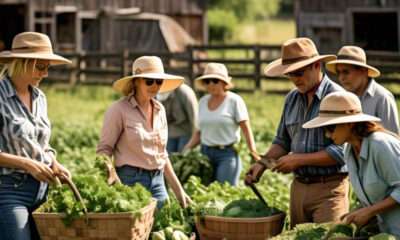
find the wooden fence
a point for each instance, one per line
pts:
(245, 64)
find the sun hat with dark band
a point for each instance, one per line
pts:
(352, 55)
(32, 45)
(148, 67)
(295, 54)
(337, 108)
(216, 71)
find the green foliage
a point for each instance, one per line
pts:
(192, 163)
(383, 236)
(251, 208)
(247, 9)
(221, 24)
(97, 195)
(173, 215)
(313, 231)
(225, 200)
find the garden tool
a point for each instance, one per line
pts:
(257, 193)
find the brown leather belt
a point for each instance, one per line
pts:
(321, 179)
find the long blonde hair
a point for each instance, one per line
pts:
(16, 67)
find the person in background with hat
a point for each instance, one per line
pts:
(356, 76)
(135, 131)
(319, 191)
(27, 162)
(221, 113)
(181, 107)
(372, 156)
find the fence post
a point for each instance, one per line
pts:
(77, 72)
(257, 67)
(124, 58)
(189, 49)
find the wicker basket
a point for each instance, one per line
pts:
(105, 226)
(218, 228)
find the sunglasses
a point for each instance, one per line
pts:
(298, 73)
(330, 128)
(150, 81)
(42, 67)
(209, 80)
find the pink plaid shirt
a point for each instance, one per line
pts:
(127, 137)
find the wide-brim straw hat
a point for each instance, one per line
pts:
(353, 55)
(215, 70)
(148, 67)
(295, 54)
(32, 45)
(338, 108)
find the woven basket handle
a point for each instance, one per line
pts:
(78, 197)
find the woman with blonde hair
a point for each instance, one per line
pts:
(372, 155)
(221, 114)
(27, 162)
(135, 131)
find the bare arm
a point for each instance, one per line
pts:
(176, 186)
(291, 162)
(361, 216)
(248, 135)
(38, 170)
(194, 141)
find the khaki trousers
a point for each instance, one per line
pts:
(318, 202)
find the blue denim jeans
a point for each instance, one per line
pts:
(18, 199)
(176, 144)
(151, 180)
(226, 163)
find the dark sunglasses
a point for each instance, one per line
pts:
(298, 73)
(209, 80)
(150, 81)
(330, 128)
(41, 67)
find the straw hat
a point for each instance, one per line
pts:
(337, 108)
(148, 67)
(32, 45)
(355, 56)
(215, 70)
(295, 54)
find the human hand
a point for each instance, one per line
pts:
(60, 171)
(255, 172)
(39, 171)
(286, 164)
(112, 175)
(360, 216)
(184, 199)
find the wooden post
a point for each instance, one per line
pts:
(257, 67)
(124, 59)
(189, 50)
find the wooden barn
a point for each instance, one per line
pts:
(370, 24)
(107, 25)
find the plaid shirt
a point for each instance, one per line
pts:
(293, 138)
(23, 133)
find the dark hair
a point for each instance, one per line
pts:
(364, 129)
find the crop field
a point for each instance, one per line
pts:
(77, 114)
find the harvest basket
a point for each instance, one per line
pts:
(217, 228)
(105, 226)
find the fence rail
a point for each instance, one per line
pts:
(245, 62)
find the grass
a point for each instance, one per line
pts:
(269, 31)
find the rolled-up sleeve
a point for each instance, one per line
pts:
(387, 159)
(336, 152)
(387, 112)
(282, 137)
(111, 130)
